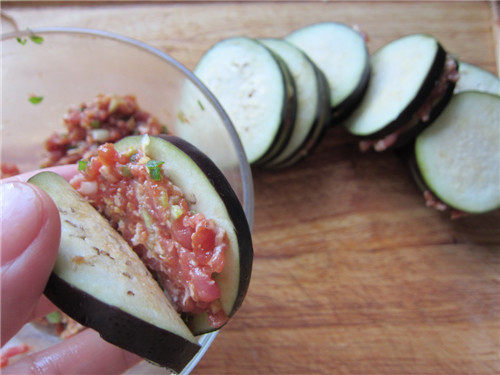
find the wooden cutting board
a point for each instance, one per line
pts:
(352, 274)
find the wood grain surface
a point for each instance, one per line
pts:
(352, 274)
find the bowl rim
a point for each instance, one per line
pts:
(245, 172)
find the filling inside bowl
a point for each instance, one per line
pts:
(182, 248)
(106, 118)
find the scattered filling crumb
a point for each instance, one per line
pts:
(11, 352)
(432, 201)
(8, 170)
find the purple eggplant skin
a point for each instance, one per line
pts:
(321, 122)
(236, 214)
(287, 115)
(120, 328)
(342, 110)
(422, 94)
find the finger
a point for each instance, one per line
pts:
(85, 353)
(66, 171)
(31, 230)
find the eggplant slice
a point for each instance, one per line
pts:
(412, 80)
(341, 54)
(99, 281)
(256, 90)
(473, 78)
(205, 185)
(458, 156)
(313, 103)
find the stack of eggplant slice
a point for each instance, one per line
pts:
(257, 91)
(281, 95)
(341, 53)
(313, 100)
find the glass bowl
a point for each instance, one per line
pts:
(74, 65)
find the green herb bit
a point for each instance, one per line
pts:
(154, 163)
(201, 105)
(154, 167)
(95, 124)
(82, 165)
(155, 173)
(164, 129)
(182, 117)
(36, 39)
(35, 99)
(54, 317)
(126, 172)
(21, 41)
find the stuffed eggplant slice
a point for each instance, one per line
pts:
(456, 159)
(412, 81)
(181, 263)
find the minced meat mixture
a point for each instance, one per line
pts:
(181, 247)
(106, 118)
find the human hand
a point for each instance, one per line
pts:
(30, 234)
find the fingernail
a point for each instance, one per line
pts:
(21, 220)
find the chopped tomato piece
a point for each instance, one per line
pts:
(182, 234)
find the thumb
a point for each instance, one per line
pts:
(30, 235)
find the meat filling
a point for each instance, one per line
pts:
(107, 118)
(450, 74)
(181, 247)
(432, 201)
